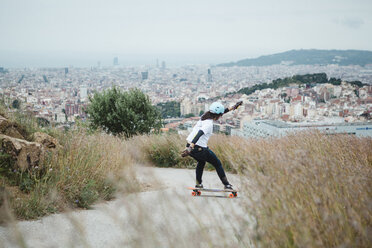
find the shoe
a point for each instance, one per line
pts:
(199, 186)
(228, 186)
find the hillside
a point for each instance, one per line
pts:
(303, 190)
(307, 79)
(309, 57)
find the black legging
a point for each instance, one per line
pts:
(203, 155)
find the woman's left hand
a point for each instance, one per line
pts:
(186, 152)
(237, 105)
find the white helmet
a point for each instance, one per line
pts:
(217, 108)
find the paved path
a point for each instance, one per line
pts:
(164, 216)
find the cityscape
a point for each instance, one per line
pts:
(59, 95)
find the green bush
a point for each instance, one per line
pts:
(37, 203)
(6, 165)
(125, 113)
(164, 151)
(88, 195)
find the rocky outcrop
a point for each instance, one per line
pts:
(25, 154)
(46, 140)
(9, 128)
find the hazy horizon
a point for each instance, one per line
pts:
(41, 33)
(80, 59)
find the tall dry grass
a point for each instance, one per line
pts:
(315, 189)
(85, 169)
(306, 190)
(303, 190)
(88, 166)
(162, 150)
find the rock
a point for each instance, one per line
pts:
(25, 154)
(10, 129)
(46, 140)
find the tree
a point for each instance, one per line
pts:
(42, 122)
(16, 104)
(127, 113)
(64, 111)
(169, 109)
(283, 95)
(189, 115)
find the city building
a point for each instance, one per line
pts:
(209, 76)
(144, 75)
(83, 93)
(269, 128)
(116, 61)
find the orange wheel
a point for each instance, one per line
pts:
(193, 193)
(231, 195)
(235, 194)
(199, 193)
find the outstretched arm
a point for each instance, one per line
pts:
(233, 107)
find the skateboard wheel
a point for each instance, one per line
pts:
(193, 193)
(199, 193)
(231, 195)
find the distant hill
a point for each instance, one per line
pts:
(309, 57)
(307, 79)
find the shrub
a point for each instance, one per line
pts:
(126, 113)
(164, 151)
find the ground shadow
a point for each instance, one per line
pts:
(215, 196)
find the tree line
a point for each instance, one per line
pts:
(169, 109)
(300, 80)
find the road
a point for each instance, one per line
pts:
(165, 215)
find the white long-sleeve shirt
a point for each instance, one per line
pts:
(207, 127)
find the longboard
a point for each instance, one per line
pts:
(197, 191)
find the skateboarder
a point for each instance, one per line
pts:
(197, 143)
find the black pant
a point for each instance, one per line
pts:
(203, 155)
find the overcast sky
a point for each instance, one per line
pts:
(81, 33)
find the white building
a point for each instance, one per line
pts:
(267, 128)
(31, 99)
(83, 93)
(298, 110)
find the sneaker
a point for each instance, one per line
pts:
(199, 186)
(228, 186)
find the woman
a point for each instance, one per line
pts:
(197, 143)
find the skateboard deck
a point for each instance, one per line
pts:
(197, 191)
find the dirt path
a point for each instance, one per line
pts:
(164, 216)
